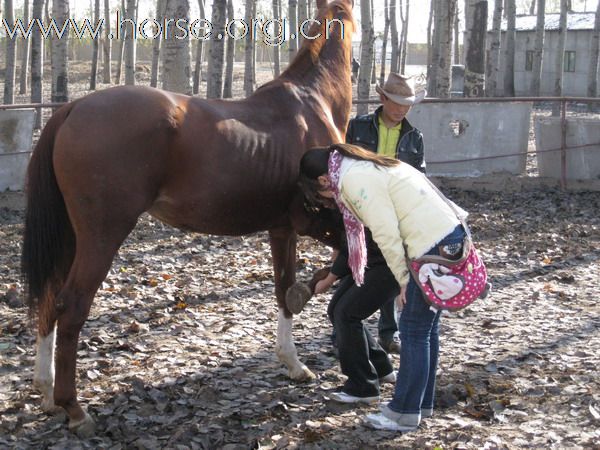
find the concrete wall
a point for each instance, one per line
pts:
(574, 83)
(582, 163)
(457, 131)
(16, 133)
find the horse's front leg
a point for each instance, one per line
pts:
(283, 250)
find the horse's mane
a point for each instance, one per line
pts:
(311, 48)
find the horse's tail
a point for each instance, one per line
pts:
(48, 238)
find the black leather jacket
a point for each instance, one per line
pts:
(364, 131)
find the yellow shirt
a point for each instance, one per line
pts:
(388, 139)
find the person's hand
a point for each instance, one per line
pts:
(324, 285)
(401, 299)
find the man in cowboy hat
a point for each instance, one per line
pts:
(386, 131)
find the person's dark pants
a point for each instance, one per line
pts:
(362, 359)
(388, 322)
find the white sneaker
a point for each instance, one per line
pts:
(342, 397)
(390, 378)
(380, 422)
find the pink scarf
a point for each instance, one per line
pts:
(355, 231)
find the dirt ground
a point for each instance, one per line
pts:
(178, 351)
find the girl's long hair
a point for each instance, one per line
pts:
(314, 163)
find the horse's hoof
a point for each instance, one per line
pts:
(302, 374)
(296, 297)
(84, 428)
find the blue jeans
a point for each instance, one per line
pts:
(419, 334)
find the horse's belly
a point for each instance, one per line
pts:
(219, 217)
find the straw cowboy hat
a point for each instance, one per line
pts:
(401, 90)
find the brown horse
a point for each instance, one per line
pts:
(209, 166)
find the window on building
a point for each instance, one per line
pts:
(569, 62)
(529, 60)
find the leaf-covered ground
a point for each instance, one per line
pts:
(178, 351)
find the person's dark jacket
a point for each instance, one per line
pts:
(364, 131)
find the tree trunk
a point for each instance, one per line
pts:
(249, 48)
(592, 90)
(130, 43)
(177, 62)
(156, 44)
(302, 16)
(107, 47)
(476, 25)
(121, 44)
(37, 66)
(95, 49)
(432, 50)
(456, 51)
(386, 30)
(366, 55)
(538, 52)
(11, 56)
(394, 36)
(509, 53)
(60, 69)
(24, 53)
(404, 40)
(444, 21)
(276, 18)
(560, 54)
(493, 56)
(229, 56)
(216, 51)
(532, 8)
(293, 18)
(199, 54)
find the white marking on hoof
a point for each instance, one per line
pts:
(286, 350)
(43, 378)
(83, 428)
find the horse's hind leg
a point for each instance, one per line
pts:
(43, 378)
(92, 261)
(283, 249)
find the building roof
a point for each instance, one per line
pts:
(575, 21)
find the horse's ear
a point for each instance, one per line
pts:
(321, 3)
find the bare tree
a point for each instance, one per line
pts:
(37, 66)
(444, 19)
(60, 61)
(476, 13)
(130, 42)
(592, 90)
(229, 57)
(249, 59)
(107, 47)
(509, 53)
(293, 18)
(386, 30)
(431, 49)
(156, 44)
(404, 37)
(95, 49)
(366, 55)
(216, 50)
(121, 31)
(538, 52)
(456, 26)
(276, 53)
(24, 53)
(394, 61)
(11, 56)
(302, 16)
(493, 55)
(199, 54)
(560, 52)
(176, 52)
(532, 7)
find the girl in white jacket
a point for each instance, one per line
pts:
(407, 217)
